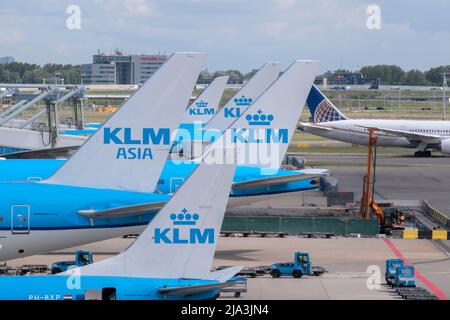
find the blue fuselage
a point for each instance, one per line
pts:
(30, 206)
(96, 287)
(36, 217)
(172, 176)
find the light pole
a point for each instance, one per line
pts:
(444, 87)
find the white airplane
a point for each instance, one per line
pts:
(329, 122)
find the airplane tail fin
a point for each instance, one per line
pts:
(181, 239)
(254, 87)
(207, 103)
(321, 108)
(263, 132)
(129, 150)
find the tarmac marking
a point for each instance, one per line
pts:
(427, 282)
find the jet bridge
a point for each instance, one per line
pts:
(19, 125)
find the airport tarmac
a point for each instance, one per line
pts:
(346, 259)
(398, 177)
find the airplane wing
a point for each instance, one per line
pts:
(52, 153)
(122, 211)
(413, 136)
(313, 126)
(272, 181)
(190, 290)
(224, 274)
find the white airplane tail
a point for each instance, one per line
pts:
(265, 76)
(321, 108)
(262, 134)
(181, 239)
(129, 150)
(207, 103)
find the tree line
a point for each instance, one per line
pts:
(235, 76)
(394, 75)
(19, 72)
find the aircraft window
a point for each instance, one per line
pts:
(109, 294)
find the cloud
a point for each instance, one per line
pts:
(11, 36)
(284, 4)
(140, 8)
(234, 33)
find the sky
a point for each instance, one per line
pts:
(236, 34)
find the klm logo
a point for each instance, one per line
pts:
(184, 230)
(201, 109)
(259, 134)
(141, 141)
(259, 119)
(236, 112)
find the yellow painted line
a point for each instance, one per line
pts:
(410, 234)
(439, 235)
(303, 145)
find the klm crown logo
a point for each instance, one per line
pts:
(184, 231)
(243, 101)
(201, 108)
(259, 119)
(184, 218)
(201, 104)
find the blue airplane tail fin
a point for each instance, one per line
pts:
(321, 108)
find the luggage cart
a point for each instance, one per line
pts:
(239, 286)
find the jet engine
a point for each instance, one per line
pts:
(445, 146)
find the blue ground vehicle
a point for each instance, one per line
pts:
(300, 266)
(405, 277)
(391, 270)
(82, 258)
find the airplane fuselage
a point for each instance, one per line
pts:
(71, 287)
(38, 217)
(355, 131)
(172, 176)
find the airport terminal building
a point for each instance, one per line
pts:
(121, 69)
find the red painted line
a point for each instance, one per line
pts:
(419, 276)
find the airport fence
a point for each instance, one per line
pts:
(299, 225)
(436, 215)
